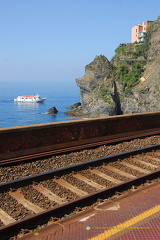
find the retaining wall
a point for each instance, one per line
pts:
(24, 140)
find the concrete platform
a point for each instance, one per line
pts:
(135, 216)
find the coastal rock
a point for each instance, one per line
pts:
(76, 110)
(74, 106)
(113, 88)
(52, 110)
(145, 96)
(96, 87)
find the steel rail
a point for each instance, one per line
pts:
(79, 146)
(60, 211)
(21, 182)
(66, 208)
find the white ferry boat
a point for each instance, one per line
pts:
(30, 99)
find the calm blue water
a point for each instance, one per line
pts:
(58, 94)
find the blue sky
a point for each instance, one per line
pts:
(53, 40)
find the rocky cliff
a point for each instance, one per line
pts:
(129, 83)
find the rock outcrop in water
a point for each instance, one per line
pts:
(129, 83)
(75, 110)
(52, 111)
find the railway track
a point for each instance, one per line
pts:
(32, 200)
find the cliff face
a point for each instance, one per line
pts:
(129, 83)
(97, 78)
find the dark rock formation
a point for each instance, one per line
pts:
(129, 83)
(52, 110)
(74, 106)
(76, 110)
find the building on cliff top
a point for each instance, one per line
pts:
(138, 32)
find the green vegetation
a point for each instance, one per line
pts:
(141, 49)
(102, 56)
(130, 69)
(121, 48)
(129, 77)
(105, 73)
(103, 94)
(126, 67)
(157, 88)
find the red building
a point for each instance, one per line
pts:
(139, 32)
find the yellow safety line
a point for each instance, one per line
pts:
(127, 224)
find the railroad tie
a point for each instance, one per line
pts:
(5, 218)
(27, 204)
(111, 179)
(153, 158)
(135, 167)
(145, 163)
(70, 187)
(88, 181)
(120, 172)
(50, 195)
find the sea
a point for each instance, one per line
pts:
(59, 94)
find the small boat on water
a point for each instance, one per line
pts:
(29, 99)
